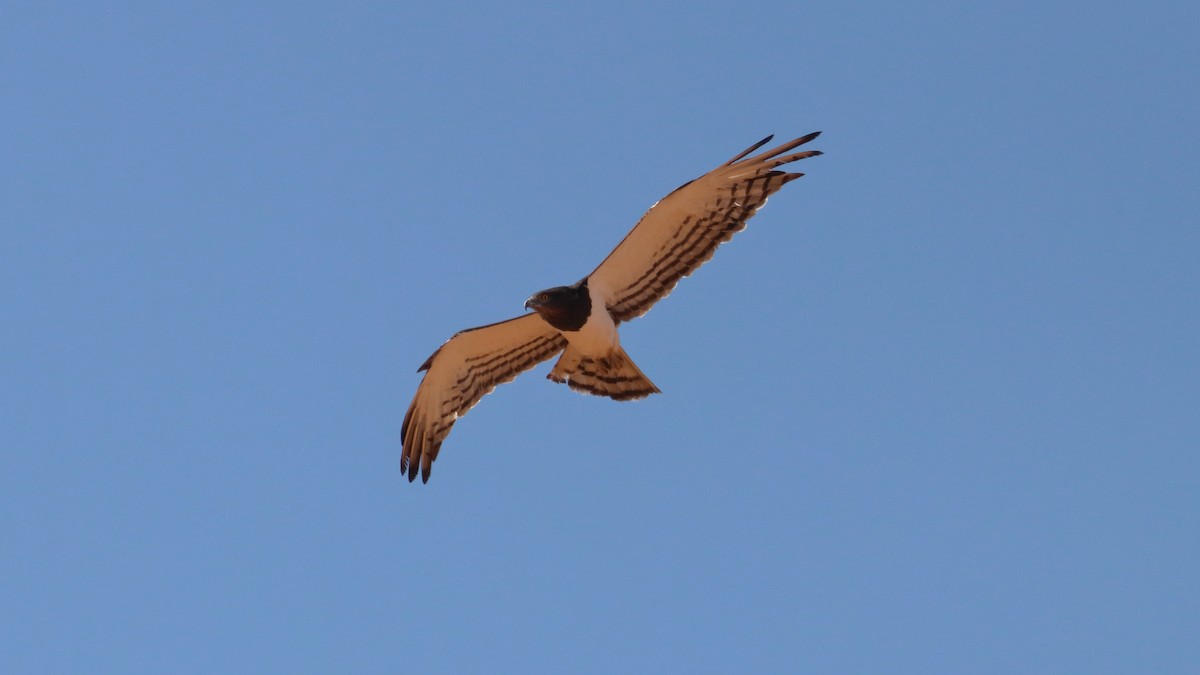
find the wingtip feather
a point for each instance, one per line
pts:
(426, 466)
(751, 149)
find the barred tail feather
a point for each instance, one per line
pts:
(614, 375)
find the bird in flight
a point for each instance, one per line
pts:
(676, 236)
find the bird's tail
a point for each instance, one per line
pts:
(614, 375)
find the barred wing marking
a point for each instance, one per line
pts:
(462, 371)
(683, 230)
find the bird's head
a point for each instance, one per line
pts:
(550, 299)
(564, 307)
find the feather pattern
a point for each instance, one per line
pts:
(461, 372)
(614, 375)
(683, 230)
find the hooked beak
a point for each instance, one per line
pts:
(531, 303)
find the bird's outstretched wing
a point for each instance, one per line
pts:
(681, 232)
(464, 370)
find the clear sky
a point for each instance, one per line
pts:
(935, 411)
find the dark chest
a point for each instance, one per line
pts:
(570, 311)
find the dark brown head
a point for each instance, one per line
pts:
(564, 307)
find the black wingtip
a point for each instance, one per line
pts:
(749, 150)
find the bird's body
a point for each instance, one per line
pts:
(676, 236)
(598, 336)
(593, 361)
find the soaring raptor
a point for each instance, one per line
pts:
(677, 235)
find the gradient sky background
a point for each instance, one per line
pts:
(936, 410)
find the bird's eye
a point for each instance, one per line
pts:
(544, 297)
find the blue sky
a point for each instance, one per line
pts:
(934, 411)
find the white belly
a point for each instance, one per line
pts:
(598, 336)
